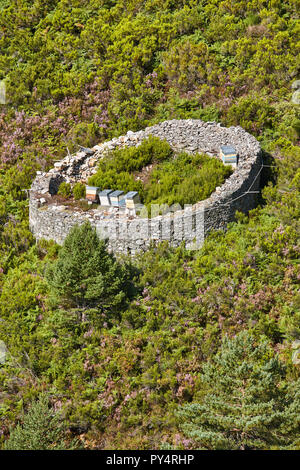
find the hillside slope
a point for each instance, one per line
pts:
(77, 73)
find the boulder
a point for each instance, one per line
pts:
(3, 352)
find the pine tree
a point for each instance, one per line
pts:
(85, 274)
(42, 429)
(246, 404)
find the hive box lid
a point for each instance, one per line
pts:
(92, 188)
(116, 193)
(106, 192)
(227, 149)
(131, 194)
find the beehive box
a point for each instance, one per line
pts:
(116, 197)
(92, 193)
(132, 199)
(228, 155)
(105, 197)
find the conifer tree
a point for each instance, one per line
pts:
(246, 404)
(42, 429)
(86, 275)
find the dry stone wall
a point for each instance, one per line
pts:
(131, 234)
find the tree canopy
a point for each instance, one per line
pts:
(42, 429)
(85, 274)
(246, 404)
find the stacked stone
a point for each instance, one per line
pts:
(129, 234)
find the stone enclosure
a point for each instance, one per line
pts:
(130, 234)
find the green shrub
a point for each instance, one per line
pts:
(185, 180)
(115, 170)
(80, 72)
(64, 190)
(182, 179)
(245, 405)
(42, 429)
(79, 191)
(83, 133)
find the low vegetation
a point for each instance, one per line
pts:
(133, 372)
(185, 179)
(116, 171)
(171, 179)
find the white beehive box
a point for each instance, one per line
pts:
(116, 197)
(92, 193)
(228, 155)
(132, 199)
(105, 197)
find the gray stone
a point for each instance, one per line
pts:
(3, 352)
(296, 97)
(296, 85)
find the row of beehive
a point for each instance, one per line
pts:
(108, 197)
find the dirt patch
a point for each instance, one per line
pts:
(71, 203)
(144, 175)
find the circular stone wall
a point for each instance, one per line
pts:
(131, 234)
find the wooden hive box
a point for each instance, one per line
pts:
(228, 155)
(105, 197)
(132, 199)
(116, 197)
(92, 193)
